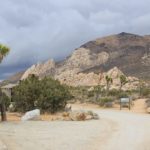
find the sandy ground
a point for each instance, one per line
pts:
(116, 130)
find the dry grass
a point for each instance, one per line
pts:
(44, 117)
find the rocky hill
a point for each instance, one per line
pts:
(41, 69)
(130, 53)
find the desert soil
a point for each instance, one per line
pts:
(116, 130)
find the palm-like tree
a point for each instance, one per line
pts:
(123, 81)
(4, 50)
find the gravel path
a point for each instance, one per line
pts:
(114, 131)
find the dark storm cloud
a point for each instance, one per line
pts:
(36, 30)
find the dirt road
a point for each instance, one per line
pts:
(132, 131)
(114, 131)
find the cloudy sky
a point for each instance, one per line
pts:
(37, 30)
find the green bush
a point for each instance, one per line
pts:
(145, 92)
(53, 96)
(103, 100)
(123, 94)
(46, 94)
(114, 92)
(96, 92)
(90, 94)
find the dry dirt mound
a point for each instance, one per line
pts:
(139, 106)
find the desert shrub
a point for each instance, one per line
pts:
(90, 94)
(96, 92)
(46, 94)
(103, 100)
(90, 113)
(4, 99)
(145, 92)
(123, 94)
(99, 90)
(79, 93)
(53, 96)
(114, 92)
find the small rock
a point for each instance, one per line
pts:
(95, 116)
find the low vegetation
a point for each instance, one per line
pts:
(50, 96)
(145, 92)
(105, 101)
(105, 96)
(101, 96)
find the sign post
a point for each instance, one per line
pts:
(125, 101)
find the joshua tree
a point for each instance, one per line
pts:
(123, 81)
(141, 86)
(4, 50)
(109, 81)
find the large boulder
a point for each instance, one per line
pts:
(33, 115)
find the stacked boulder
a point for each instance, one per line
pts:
(79, 115)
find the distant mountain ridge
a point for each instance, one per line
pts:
(130, 53)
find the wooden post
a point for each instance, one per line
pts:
(3, 112)
(129, 104)
(120, 103)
